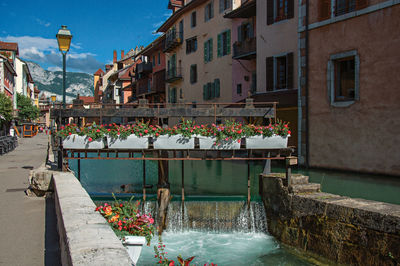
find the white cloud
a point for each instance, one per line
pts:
(42, 22)
(54, 68)
(43, 50)
(158, 24)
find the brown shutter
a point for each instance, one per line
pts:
(290, 11)
(324, 9)
(360, 4)
(270, 73)
(270, 12)
(289, 65)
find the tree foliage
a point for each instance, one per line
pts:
(26, 110)
(6, 108)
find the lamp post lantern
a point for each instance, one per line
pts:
(64, 41)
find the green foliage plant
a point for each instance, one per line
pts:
(27, 111)
(6, 108)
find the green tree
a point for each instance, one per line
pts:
(6, 109)
(26, 110)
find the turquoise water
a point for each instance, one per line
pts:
(216, 178)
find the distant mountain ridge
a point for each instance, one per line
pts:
(50, 82)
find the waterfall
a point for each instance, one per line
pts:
(212, 216)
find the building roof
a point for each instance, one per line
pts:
(9, 46)
(8, 65)
(99, 72)
(156, 44)
(87, 99)
(246, 10)
(175, 16)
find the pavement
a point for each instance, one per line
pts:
(27, 224)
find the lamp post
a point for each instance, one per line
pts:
(64, 41)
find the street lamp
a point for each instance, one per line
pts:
(64, 41)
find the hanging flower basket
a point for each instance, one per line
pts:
(75, 141)
(261, 142)
(130, 142)
(210, 143)
(174, 142)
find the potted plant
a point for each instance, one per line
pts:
(132, 227)
(179, 137)
(88, 137)
(267, 137)
(129, 136)
(220, 137)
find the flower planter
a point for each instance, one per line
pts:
(208, 143)
(131, 142)
(134, 246)
(260, 142)
(175, 142)
(75, 141)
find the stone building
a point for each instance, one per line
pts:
(349, 58)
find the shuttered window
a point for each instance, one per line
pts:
(208, 50)
(211, 90)
(209, 11)
(193, 19)
(193, 74)
(224, 43)
(278, 10)
(224, 5)
(279, 72)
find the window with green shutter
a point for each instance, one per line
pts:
(208, 50)
(209, 11)
(193, 74)
(212, 88)
(217, 88)
(205, 92)
(224, 43)
(219, 50)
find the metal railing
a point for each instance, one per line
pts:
(173, 74)
(245, 49)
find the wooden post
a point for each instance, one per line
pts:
(144, 180)
(289, 162)
(79, 169)
(183, 181)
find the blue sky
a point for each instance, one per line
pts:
(98, 28)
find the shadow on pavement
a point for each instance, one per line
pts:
(52, 247)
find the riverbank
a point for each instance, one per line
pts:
(27, 223)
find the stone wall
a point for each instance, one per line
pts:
(85, 236)
(341, 229)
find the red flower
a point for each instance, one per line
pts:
(289, 132)
(145, 131)
(69, 133)
(172, 263)
(98, 130)
(90, 139)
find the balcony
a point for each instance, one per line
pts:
(144, 68)
(172, 40)
(245, 50)
(173, 74)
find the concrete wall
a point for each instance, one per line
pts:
(85, 236)
(275, 39)
(219, 67)
(363, 136)
(344, 230)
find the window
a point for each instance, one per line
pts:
(154, 61)
(172, 95)
(278, 10)
(211, 90)
(208, 50)
(279, 72)
(239, 88)
(191, 45)
(224, 43)
(181, 29)
(224, 5)
(159, 58)
(340, 7)
(245, 31)
(209, 11)
(193, 19)
(343, 78)
(193, 74)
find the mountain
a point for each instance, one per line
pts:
(50, 82)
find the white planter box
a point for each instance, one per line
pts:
(134, 245)
(131, 142)
(175, 142)
(81, 142)
(273, 142)
(208, 143)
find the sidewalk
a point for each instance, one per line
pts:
(24, 220)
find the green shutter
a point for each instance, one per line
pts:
(239, 31)
(228, 42)
(212, 86)
(212, 9)
(169, 95)
(219, 52)
(221, 6)
(174, 95)
(210, 55)
(205, 52)
(204, 92)
(217, 90)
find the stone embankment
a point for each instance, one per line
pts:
(85, 237)
(341, 229)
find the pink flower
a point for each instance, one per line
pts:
(90, 139)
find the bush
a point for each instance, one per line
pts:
(6, 109)
(26, 110)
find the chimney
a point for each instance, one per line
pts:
(122, 54)
(115, 57)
